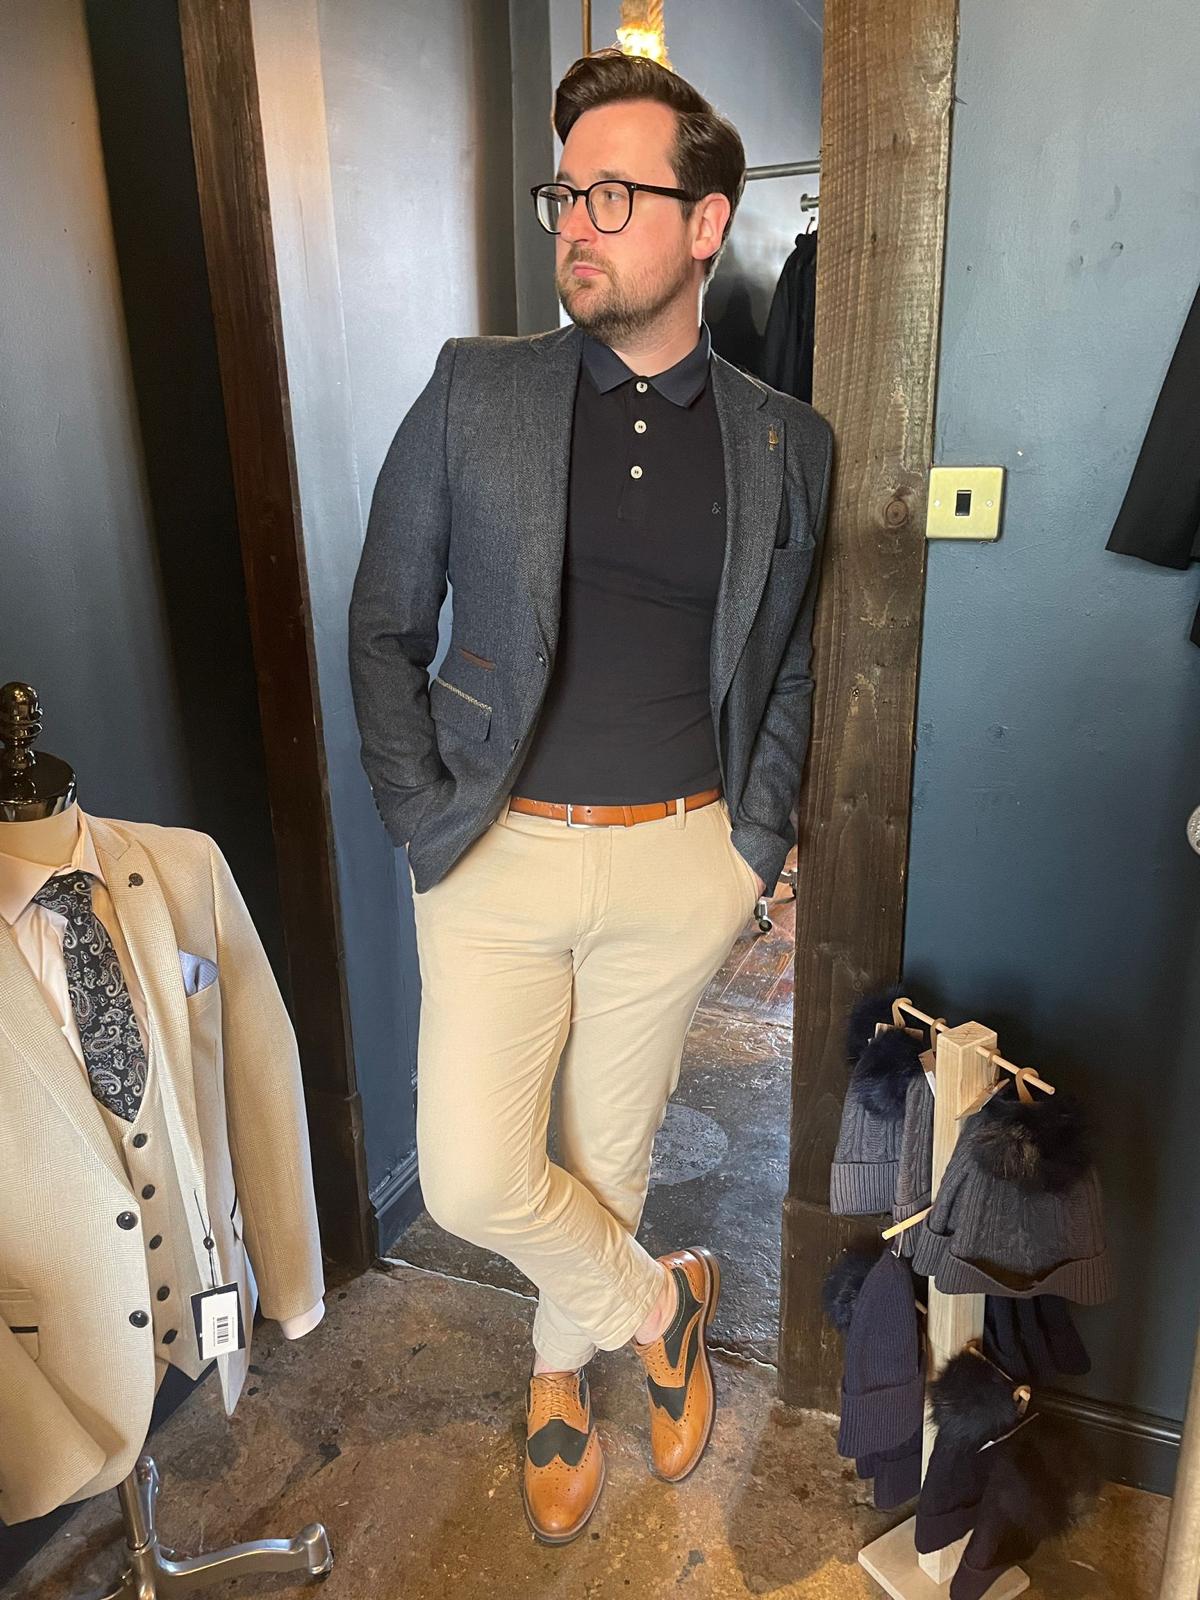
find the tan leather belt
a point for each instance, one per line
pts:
(576, 816)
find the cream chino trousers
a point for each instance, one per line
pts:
(579, 953)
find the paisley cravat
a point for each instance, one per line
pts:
(108, 1030)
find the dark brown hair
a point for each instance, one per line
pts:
(708, 157)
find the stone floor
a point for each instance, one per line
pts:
(397, 1422)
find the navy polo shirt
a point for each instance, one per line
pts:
(626, 717)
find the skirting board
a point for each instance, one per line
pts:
(1128, 1446)
(395, 1204)
(893, 1562)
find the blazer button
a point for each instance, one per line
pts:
(139, 1318)
(126, 1219)
(139, 1139)
(209, 1244)
(541, 658)
(515, 743)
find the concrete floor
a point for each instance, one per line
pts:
(398, 1423)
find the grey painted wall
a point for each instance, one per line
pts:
(1051, 890)
(419, 118)
(78, 549)
(123, 601)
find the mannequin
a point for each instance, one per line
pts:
(42, 825)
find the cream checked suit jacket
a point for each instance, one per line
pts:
(77, 1375)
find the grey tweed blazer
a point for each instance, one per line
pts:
(474, 490)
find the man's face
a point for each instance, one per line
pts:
(615, 285)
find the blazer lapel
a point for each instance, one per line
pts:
(543, 407)
(28, 1023)
(753, 444)
(145, 921)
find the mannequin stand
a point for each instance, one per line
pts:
(962, 1073)
(153, 1571)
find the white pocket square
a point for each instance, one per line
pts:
(198, 972)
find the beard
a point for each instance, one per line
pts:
(612, 311)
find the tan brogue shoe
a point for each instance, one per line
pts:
(683, 1402)
(564, 1467)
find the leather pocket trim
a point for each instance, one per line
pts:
(479, 661)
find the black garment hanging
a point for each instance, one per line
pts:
(1160, 517)
(788, 342)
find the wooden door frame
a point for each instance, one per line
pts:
(240, 248)
(887, 96)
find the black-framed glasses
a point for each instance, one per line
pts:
(609, 202)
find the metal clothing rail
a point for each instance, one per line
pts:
(783, 169)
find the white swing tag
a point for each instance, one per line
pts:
(218, 1317)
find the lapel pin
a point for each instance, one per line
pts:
(135, 880)
(772, 438)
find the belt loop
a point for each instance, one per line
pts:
(503, 816)
(680, 813)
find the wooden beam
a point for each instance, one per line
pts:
(885, 144)
(219, 58)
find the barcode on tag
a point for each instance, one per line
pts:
(218, 1322)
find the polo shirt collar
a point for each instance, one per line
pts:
(680, 383)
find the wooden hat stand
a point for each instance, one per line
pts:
(965, 1071)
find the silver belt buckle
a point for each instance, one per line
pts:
(570, 824)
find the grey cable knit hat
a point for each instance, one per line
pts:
(1019, 1210)
(866, 1162)
(914, 1174)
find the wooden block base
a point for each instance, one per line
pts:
(893, 1562)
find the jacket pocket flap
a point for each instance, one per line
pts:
(458, 710)
(18, 1308)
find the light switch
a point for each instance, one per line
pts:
(964, 502)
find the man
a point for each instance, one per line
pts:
(602, 778)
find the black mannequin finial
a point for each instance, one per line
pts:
(32, 785)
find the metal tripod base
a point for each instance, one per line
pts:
(152, 1571)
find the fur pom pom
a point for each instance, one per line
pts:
(839, 1292)
(1042, 1482)
(972, 1403)
(884, 1069)
(1038, 1147)
(868, 1010)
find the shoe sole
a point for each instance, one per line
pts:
(564, 1538)
(712, 1269)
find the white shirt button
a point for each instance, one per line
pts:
(639, 427)
(635, 472)
(641, 388)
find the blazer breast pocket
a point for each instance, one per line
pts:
(199, 976)
(18, 1309)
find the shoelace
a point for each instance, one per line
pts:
(560, 1390)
